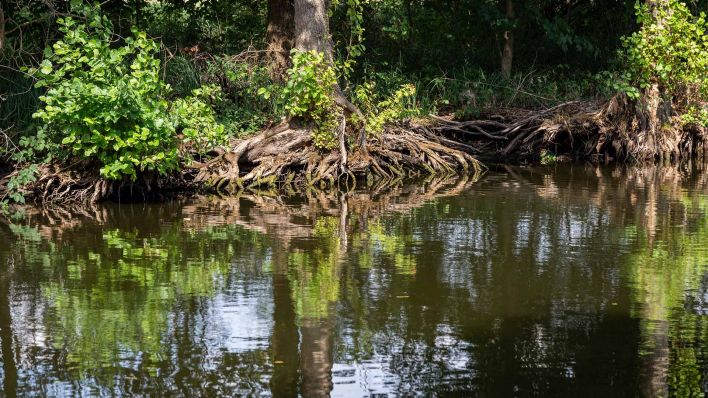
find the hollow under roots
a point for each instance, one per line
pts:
(82, 182)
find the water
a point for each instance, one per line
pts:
(568, 281)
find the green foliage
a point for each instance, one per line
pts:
(107, 103)
(14, 186)
(195, 119)
(216, 26)
(18, 101)
(548, 157)
(182, 74)
(308, 94)
(354, 41)
(471, 93)
(399, 106)
(616, 82)
(671, 51)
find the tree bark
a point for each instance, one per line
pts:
(279, 36)
(312, 27)
(507, 55)
(656, 109)
(304, 25)
(312, 34)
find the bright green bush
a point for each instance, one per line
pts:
(195, 120)
(309, 92)
(671, 50)
(108, 103)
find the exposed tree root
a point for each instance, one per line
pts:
(81, 182)
(619, 129)
(284, 155)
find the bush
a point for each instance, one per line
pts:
(108, 103)
(309, 92)
(241, 108)
(195, 120)
(397, 107)
(673, 54)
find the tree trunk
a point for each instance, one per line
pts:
(301, 24)
(507, 55)
(316, 358)
(657, 110)
(312, 34)
(304, 25)
(285, 339)
(279, 36)
(312, 27)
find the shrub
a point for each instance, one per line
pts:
(195, 119)
(400, 105)
(107, 103)
(671, 50)
(308, 93)
(242, 77)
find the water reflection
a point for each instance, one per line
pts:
(569, 281)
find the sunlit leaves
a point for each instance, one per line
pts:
(671, 50)
(309, 92)
(107, 102)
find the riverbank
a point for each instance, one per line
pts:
(284, 158)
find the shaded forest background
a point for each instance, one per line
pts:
(452, 50)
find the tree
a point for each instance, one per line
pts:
(300, 24)
(312, 27)
(308, 30)
(507, 53)
(666, 62)
(279, 35)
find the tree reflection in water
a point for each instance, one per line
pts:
(576, 281)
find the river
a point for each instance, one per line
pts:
(555, 281)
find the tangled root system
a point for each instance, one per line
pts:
(619, 129)
(285, 155)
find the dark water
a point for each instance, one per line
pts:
(575, 281)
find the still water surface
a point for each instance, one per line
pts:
(569, 281)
